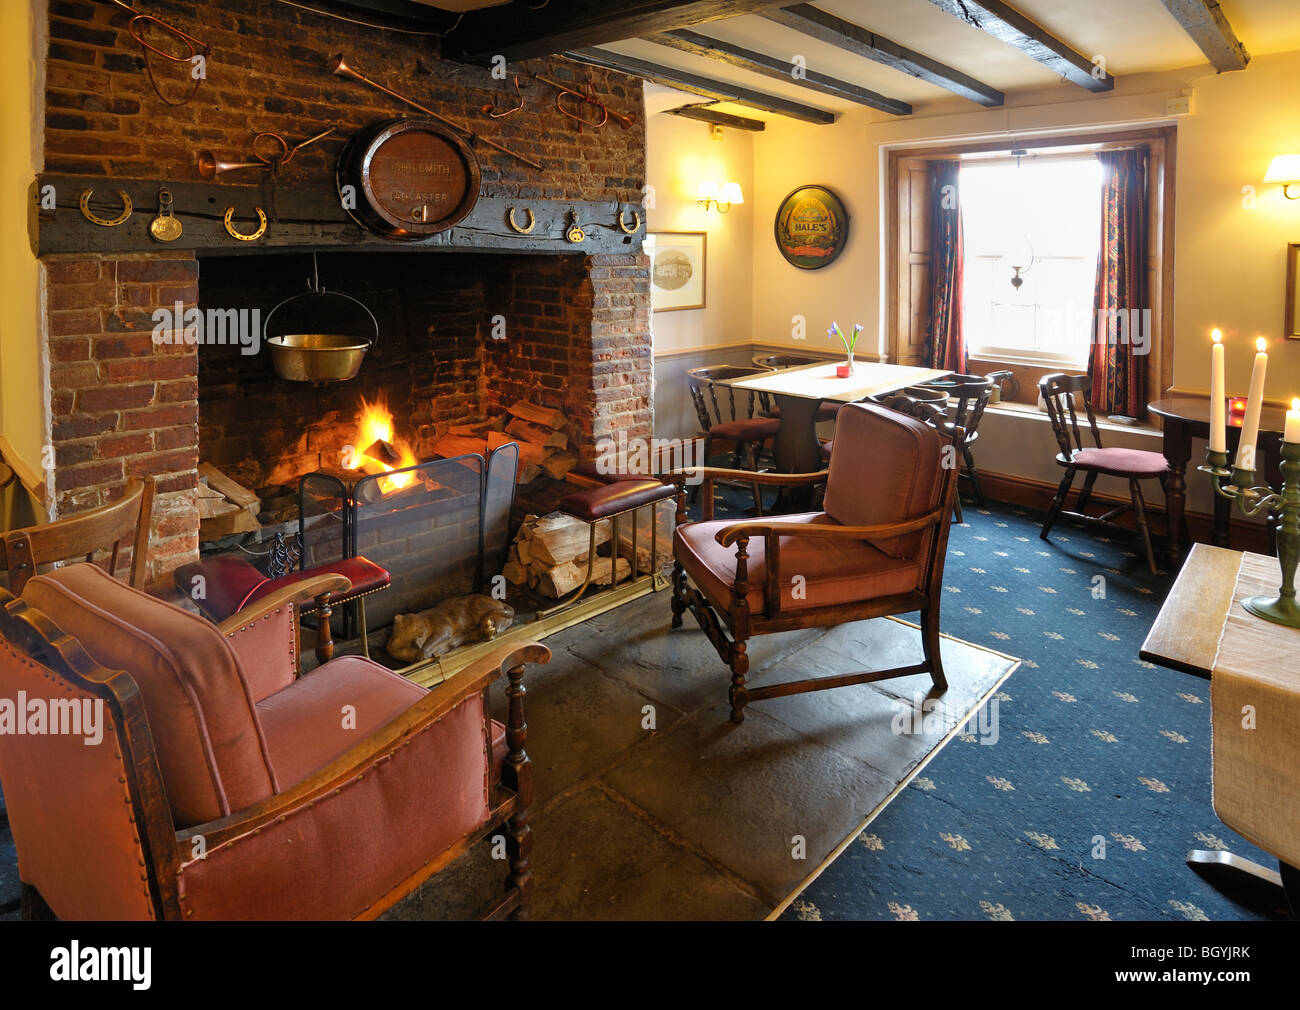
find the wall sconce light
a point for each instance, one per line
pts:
(1285, 170)
(721, 198)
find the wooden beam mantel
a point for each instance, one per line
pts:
(1008, 25)
(525, 29)
(778, 69)
(818, 24)
(707, 87)
(309, 219)
(1205, 22)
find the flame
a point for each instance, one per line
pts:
(375, 423)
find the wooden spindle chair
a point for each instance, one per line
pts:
(744, 431)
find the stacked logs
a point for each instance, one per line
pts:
(538, 431)
(550, 554)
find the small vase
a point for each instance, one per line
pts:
(846, 369)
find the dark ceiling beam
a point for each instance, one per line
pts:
(1008, 25)
(719, 91)
(817, 24)
(777, 69)
(715, 118)
(1205, 22)
(524, 29)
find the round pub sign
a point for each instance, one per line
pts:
(413, 177)
(812, 227)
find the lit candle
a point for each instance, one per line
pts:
(1218, 434)
(1293, 422)
(1250, 426)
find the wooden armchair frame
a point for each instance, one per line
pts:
(162, 846)
(103, 528)
(730, 629)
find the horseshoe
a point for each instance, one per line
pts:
(104, 222)
(241, 236)
(636, 222)
(532, 221)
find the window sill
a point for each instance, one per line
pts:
(1030, 411)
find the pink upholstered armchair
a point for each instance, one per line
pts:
(876, 549)
(225, 787)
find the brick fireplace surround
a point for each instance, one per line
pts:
(121, 405)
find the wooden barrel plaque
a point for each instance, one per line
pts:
(412, 177)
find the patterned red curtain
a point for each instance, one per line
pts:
(945, 346)
(1122, 335)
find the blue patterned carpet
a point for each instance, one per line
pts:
(1099, 781)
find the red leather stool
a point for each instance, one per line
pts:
(231, 583)
(617, 496)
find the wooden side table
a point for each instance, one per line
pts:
(1185, 637)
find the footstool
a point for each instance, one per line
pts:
(231, 583)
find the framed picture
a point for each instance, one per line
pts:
(811, 227)
(677, 264)
(1292, 318)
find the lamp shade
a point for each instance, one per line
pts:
(1285, 168)
(731, 194)
(708, 191)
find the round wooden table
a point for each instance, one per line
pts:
(1188, 417)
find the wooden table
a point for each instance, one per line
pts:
(800, 391)
(1188, 417)
(1185, 637)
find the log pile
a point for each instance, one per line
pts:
(538, 431)
(550, 554)
(225, 506)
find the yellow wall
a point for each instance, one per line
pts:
(681, 154)
(22, 403)
(1229, 266)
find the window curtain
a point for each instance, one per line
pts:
(1120, 302)
(945, 346)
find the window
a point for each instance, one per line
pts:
(1042, 215)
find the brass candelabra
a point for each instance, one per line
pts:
(1238, 485)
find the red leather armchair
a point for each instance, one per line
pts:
(225, 787)
(877, 549)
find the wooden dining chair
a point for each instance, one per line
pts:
(82, 536)
(738, 427)
(1059, 392)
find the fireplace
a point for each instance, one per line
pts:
(574, 317)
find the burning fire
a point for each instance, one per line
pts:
(375, 425)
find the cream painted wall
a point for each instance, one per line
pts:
(1229, 266)
(681, 154)
(23, 417)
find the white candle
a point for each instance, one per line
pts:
(1218, 401)
(1293, 422)
(1254, 404)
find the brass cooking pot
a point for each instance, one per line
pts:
(313, 356)
(317, 357)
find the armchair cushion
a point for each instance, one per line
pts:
(266, 650)
(210, 746)
(304, 723)
(887, 470)
(836, 571)
(336, 855)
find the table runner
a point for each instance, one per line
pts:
(1256, 683)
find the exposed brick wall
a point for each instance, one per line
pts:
(267, 71)
(578, 327)
(122, 405)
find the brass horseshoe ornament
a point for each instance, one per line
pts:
(636, 222)
(251, 236)
(522, 230)
(574, 233)
(105, 222)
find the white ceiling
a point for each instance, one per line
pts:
(1135, 36)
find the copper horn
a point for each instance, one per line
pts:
(338, 65)
(210, 167)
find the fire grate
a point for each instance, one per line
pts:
(441, 528)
